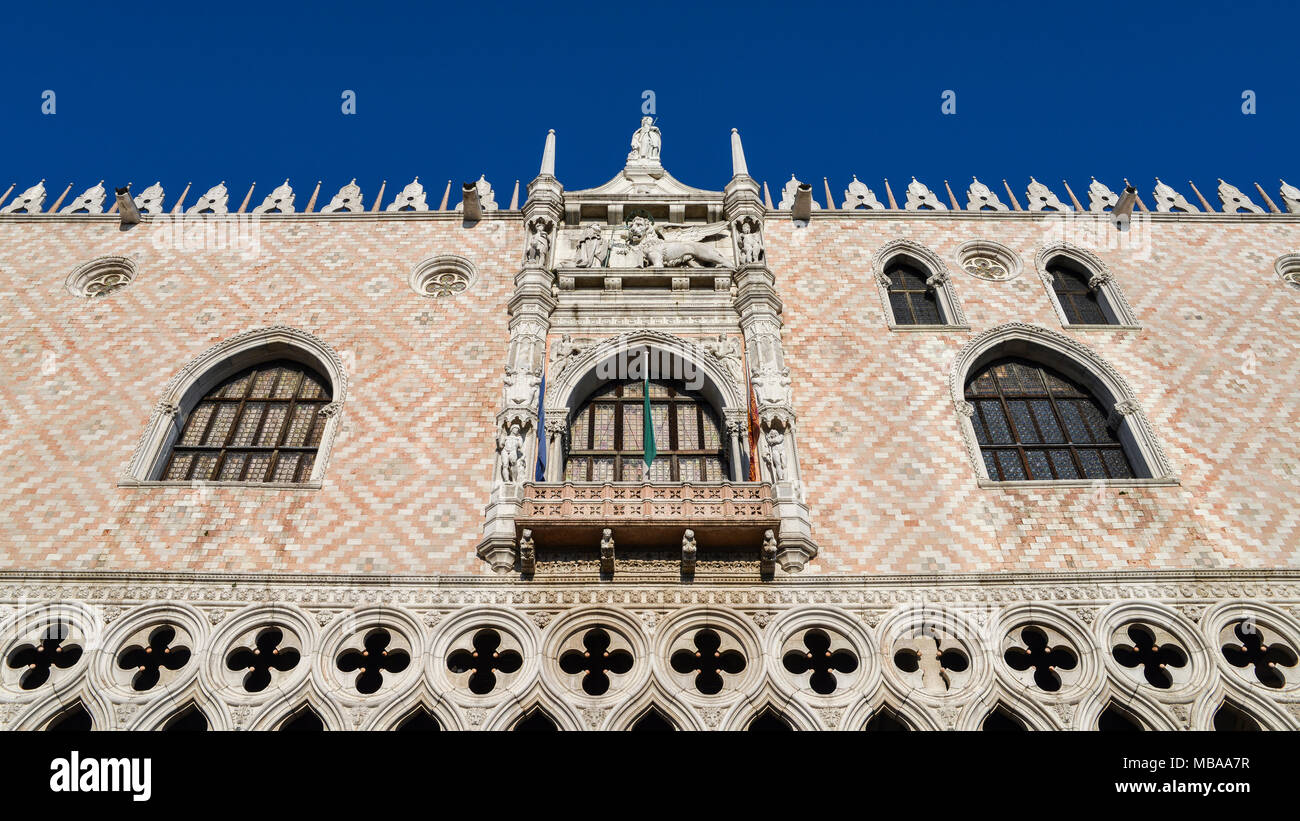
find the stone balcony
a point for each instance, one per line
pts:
(574, 517)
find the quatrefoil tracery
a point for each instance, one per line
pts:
(708, 662)
(486, 660)
(940, 665)
(38, 658)
(821, 661)
(596, 662)
(1036, 652)
(1154, 654)
(151, 659)
(265, 656)
(373, 660)
(1250, 651)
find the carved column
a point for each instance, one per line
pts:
(759, 307)
(530, 318)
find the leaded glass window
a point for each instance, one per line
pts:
(605, 439)
(911, 299)
(1035, 424)
(1079, 302)
(260, 425)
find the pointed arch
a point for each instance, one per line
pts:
(196, 694)
(285, 705)
(421, 698)
(653, 696)
(1092, 273)
(1077, 362)
(937, 279)
(1263, 711)
(221, 361)
(40, 713)
(189, 718)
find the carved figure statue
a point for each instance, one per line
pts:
(592, 248)
(564, 352)
(675, 246)
(645, 142)
(539, 244)
(774, 455)
(751, 245)
(510, 462)
(726, 351)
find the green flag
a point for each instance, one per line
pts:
(648, 436)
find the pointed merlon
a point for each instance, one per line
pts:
(1015, 203)
(311, 203)
(382, 185)
(951, 198)
(54, 209)
(243, 206)
(514, 198)
(738, 166)
(548, 156)
(1197, 192)
(1263, 194)
(767, 197)
(1073, 199)
(889, 195)
(830, 200)
(446, 195)
(176, 209)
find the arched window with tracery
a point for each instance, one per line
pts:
(1033, 423)
(264, 424)
(912, 298)
(1078, 299)
(606, 436)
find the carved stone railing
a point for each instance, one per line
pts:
(677, 517)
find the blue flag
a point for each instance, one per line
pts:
(541, 432)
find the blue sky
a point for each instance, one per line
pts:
(244, 92)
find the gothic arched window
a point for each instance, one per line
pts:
(1079, 300)
(605, 437)
(263, 424)
(1032, 423)
(913, 300)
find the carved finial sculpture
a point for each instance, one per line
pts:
(278, 201)
(1100, 197)
(150, 200)
(607, 552)
(1167, 200)
(979, 196)
(689, 552)
(527, 553)
(767, 554)
(91, 201)
(858, 195)
(412, 198)
(28, 202)
(348, 199)
(1290, 196)
(1040, 198)
(213, 201)
(1234, 201)
(919, 197)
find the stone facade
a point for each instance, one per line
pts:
(871, 521)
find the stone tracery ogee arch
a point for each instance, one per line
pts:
(1075, 360)
(1097, 270)
(954, 316)
(220, 361)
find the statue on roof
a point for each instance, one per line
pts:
(645, 143)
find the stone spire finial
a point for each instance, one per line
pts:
(548, 155)
(738, 166)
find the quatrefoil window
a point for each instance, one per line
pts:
(53, 651)
(486, 660)
(708, 662)
(595, 662)
(937, 662)
(818, 658)
(442, 276)
(1251, 651)
(1154, 656)
(266, 655)
(152, 658)
(101, 276)
(1039, 654)
(373, 660)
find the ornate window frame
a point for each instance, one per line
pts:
(100, 277)
(1085, 366)
(939, 278)
(442, 276)
(1287, 267)
(1111, 297)
(207, 370)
